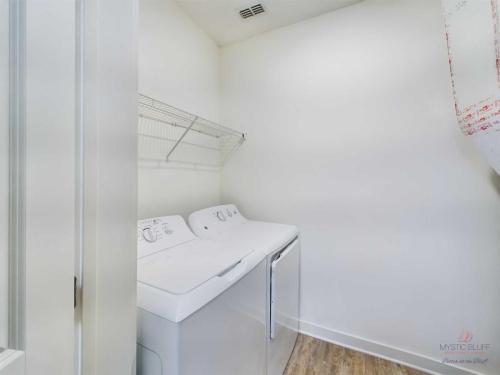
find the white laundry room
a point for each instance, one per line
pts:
(238, 187)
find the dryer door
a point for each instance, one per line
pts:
(284, 307)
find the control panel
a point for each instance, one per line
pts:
(212, 222)
(161, 233)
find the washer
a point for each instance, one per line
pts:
(201, 304)
(280, 245)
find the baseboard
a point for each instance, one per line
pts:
(413, 360)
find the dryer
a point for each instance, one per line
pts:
(279, 244)
(200, 303)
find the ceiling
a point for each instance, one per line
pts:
(221, 19)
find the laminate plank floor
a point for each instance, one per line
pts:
(315, 357)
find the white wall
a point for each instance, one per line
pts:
(4, 167)
(178, 64)
(352, 136)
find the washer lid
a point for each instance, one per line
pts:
(261, 236)
(181, 269)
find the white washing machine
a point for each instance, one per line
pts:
(280, 245)
(201, 304)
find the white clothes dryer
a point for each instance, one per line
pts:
(280, 245)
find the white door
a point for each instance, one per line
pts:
(49, 184)
(37, 186)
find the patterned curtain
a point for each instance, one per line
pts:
(473, 36)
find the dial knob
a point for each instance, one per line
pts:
(149, 235)
(220, 216)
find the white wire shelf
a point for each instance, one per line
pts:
(170, 137)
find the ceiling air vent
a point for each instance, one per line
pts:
(252, 11)
(257, 9)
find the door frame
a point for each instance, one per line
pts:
(99, 113)
(17, 160)
(108, 96)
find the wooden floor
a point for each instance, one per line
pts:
(315, 357)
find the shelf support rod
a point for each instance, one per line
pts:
(182, 137)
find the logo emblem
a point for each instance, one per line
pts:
(465, 336)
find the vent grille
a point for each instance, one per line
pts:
(246, 13)
(252, 11)
(257, 9)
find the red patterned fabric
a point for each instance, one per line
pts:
(483, 115)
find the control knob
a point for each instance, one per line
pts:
(149, 235)
(220, 216)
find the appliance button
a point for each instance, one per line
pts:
(167, 230)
